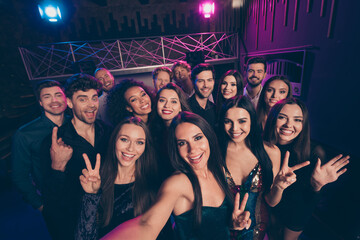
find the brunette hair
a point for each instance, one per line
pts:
(253, 141)
(146, 182)
(302, 142)
(262, 109)
(215, 163)
(239, 87)
(182, 96)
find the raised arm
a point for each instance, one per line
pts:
(60, 153)
(149, 225)
(329, 172)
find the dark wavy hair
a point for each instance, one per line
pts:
(239, 87)
(200, 68)
(159, 129)
(253, 141)
(262, 109)
(146, 180)
(302, 142)
(81, 81)
(215, 163)
(182, 97)
(116, 102)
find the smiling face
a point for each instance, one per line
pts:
(229, 87)
(193, 146)
(84, 105)
(106, 79)
(130, 145)
(181, 74)
(139, 102)
(161, 80)
(276, 91)
(255, 74)
(53, 100)
(168, 105)
(237, 124)
(289, 123)
(204, 84)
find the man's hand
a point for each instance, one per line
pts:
(60, 153)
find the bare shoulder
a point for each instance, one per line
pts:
(272, 150)
(177, 183)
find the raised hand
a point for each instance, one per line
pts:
(286, 175)
(240, 217)
(328, 172)
(90, 180)
(60, 153)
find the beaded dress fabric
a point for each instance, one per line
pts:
(255, 205)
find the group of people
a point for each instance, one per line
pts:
(172, 163)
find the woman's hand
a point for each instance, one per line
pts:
(328, 172)
(90, 180)
(240, 217)
(286, 175)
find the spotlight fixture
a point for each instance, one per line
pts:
(50, 11)
(207, 9)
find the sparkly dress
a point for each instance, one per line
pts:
(255, 205)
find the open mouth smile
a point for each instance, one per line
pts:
(167, 112)
(286, 132)
(196, 159)
(146, 106)
(128, 157)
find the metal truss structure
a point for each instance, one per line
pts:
(57, 60)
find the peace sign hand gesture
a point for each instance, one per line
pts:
(241, 218)
(286, 175)
(90, 180)
(328, 172)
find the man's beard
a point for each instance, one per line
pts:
(199, 94)
(254, 85)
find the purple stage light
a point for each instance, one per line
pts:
(207, 9)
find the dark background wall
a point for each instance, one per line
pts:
(330, 90)
(330, 84)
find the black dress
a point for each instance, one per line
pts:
(299, 199)
(88, 227)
